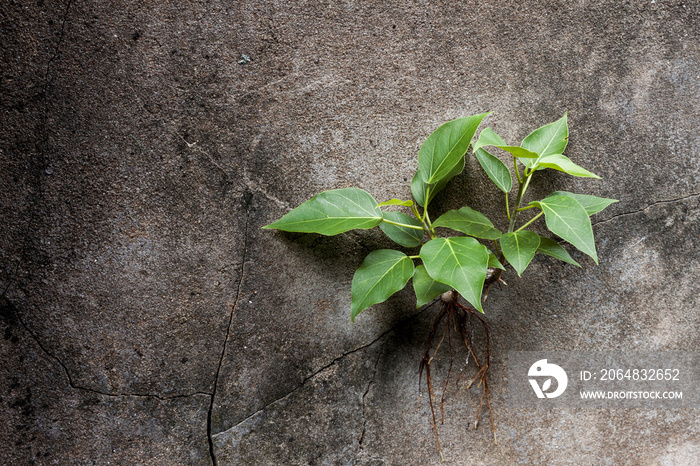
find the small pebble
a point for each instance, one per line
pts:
(49, 171)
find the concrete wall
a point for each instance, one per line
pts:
(148, 320)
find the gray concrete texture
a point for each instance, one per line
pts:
(148, 320)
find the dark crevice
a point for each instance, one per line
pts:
(667, 201)
(364, 396)
(232, 310)
(303, 382)
(317, 372)
(11, 314)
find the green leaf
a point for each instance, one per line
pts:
(592, 204)
(459, 262)
(488, 137)
(494, 263)
(443, 149)
(332, 212)
(419, 187)
(519, 248)
(407, 237)
(520, 152)
(495, 169)
(382, 273)
(549, 139)
(426, 287)
(564, 164)
(568, 219)
(553, 249)
(395, 202)
(468, 221)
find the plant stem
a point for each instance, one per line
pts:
(426, 202)
(533, 166)
(531, 220)
(414, 257)
(415, 212)
(426, 218)
(511, 225)
(413, 227)
(431, 230)
(521, 191)
(517, 172)
(507, 208)
(427, 225)
(523, 183)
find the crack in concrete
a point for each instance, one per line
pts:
(75, 386)
(58, 47)
(303, 382)
(39, 166)
(327, 366)
(232, 308)
(666, 201)
(364, 397)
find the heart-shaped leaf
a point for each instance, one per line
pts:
(407, 237)
(495, 169)
(519, 248)
(443, 149)
(488, 137)
(564, 164)
(468, 221)
(459, 262)
(553, 249)
(549, 139)
(426, 287)
(332, 212)
(567, 218)
(382, 273)
(592, 204)
(419, 187)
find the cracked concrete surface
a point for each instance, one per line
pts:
(148, 320)
(341, 385)
(668, 201)
(233, 306)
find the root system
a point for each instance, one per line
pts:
(455, 320)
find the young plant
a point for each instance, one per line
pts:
(469, 262)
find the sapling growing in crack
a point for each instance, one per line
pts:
(467, 263)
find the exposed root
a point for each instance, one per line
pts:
(425, 364)
(483, 369)
(459, 317)
(499, 281)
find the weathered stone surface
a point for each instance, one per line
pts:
(48, 420)
(145, 312)
(322, 421)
